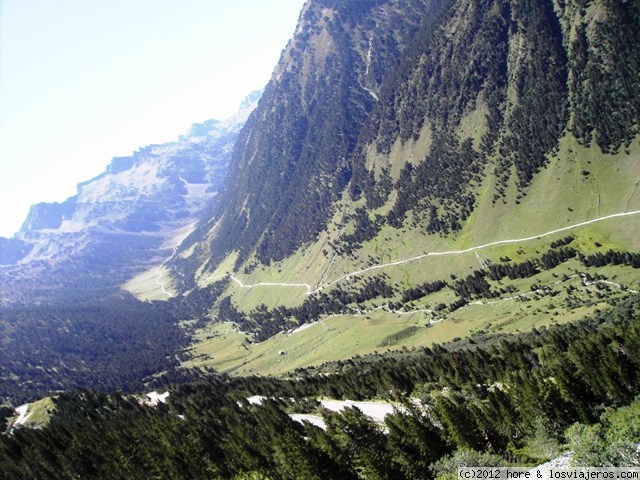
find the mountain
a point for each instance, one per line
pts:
(121, 221)
(68, 318)
(393, 132)
(296, 154)
(411, 105)
(414, 172)
(435, 205)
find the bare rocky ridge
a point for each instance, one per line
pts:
(123, 219)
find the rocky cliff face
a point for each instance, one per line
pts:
(124, 218)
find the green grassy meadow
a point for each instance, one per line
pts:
(579, 184)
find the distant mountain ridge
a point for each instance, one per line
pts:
(122, 219)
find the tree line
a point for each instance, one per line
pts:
(501, 399)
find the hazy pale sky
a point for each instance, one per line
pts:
(82, 81)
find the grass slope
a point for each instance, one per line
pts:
(579, 184)
(338, 337)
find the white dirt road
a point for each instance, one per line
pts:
(311, 291)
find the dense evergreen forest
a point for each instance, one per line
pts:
(114, 343)
(366, 76)
(495, 400)
(110, 345)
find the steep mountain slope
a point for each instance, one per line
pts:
(395, 128)
(121, 221)
(416, 173)
(296, 152)
(65, 319)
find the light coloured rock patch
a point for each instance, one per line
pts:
(375, 410)
(316, 420)
(154, 398)
(563, 461)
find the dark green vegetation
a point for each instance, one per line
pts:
(612, 441)
(535, 70)
(510, 396)
(117, 343)
(482, 284)
(599, 86)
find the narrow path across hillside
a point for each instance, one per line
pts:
(440, 318)
(271, 284)
(158, 273)
(159, 280)
(311, 291)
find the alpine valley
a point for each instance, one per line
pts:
(67, 318)
(433, 203)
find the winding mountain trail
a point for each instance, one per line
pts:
(473, 249)
(635, 188)
(161, 283)
(271, 284)
(442, 318)
(158, 273)
(311, 291)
